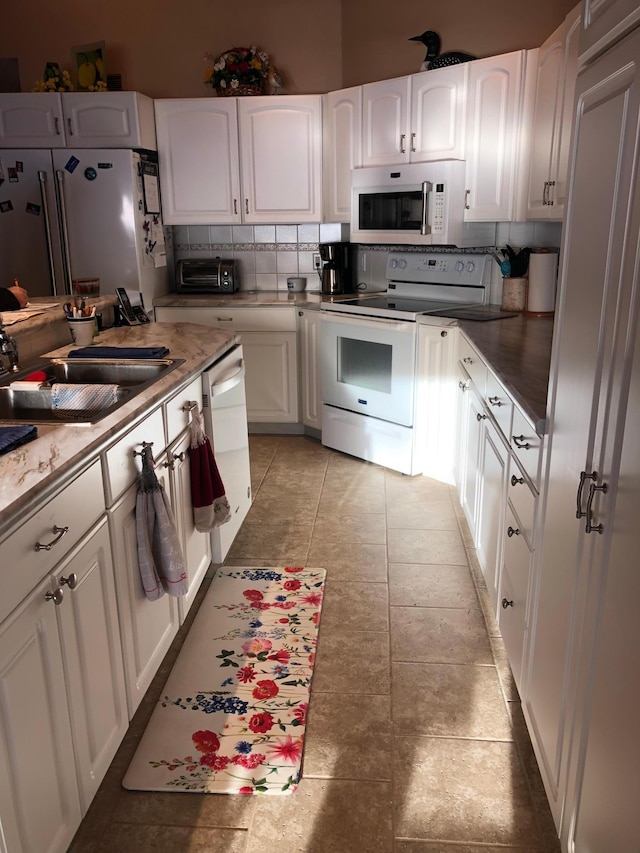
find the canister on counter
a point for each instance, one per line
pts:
(514, 294)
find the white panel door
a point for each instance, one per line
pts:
(31, 120)
(272, 376)
(281, 157)
(342, 150)
(199, 164)
(492, 500)
(437, 123)
(385, 122)
(493, 121)
(604, 22)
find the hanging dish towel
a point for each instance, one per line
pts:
(69, 397)
(160, 557)
(210, 505)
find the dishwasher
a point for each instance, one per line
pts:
(224, 411)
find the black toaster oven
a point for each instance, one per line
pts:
(207, 275)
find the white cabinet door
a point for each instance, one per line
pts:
(587, 396)
(272, 376)
(385, 122)
(604, 21)
(309, 332)
(31, 120)
(493, 121)
(109, 120)
(196, 546)
(199, 163)
(39, 803)
(90, 634)
(147, 627)
(281, 157)
(342, 150)
(552, 123)
(492, 499)
(471, 413)
(437, 114)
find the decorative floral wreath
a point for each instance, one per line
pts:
(239, 71)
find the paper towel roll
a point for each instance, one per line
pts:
(543, 272)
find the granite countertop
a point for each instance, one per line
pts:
(61, 452)
(248, 298)
(518, 349)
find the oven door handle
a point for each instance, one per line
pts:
(425, 227)
(371, 322)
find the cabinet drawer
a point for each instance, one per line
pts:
(526, 444)
(499, 404)
(523, 500)
(473, 364)
(77, 507)
(177, 419)
(511, 619)
(264, 319)
(121, 466)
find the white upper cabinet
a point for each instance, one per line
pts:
(201, 142)
(199, 163)
(494, 109)
(281, 158)
(342, 150)
(603, 22)
(77, 119)
(415, 119)
(553, 117)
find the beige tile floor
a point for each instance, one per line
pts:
(415, 742)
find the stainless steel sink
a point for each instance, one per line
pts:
(35, 405)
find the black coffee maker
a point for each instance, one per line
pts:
(339, 267)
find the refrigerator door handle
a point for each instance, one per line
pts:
(42, 177)
(64, 231)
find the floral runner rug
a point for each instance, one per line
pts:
(231, 717)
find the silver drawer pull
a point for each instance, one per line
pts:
(512, 531)
(520, 442)
(71, 581)
(496, 401)
(467, 360)
(516, 481)
(224, 319)
(506, 603)
(583, 476)
(463, 386)
(481, 417)
(56, 596)
(144, 444)
(589, 527)
(59, 533)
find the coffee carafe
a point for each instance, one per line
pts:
(338, 268)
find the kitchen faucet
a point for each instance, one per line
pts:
(8, 346)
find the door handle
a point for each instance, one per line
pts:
(583, 476)
(403, 149)
(413, 142)
(589, 527)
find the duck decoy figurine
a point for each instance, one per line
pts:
(435, 59)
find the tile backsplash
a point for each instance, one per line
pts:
(267, 255)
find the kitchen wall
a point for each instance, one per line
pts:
(267, 254)
(159, 45)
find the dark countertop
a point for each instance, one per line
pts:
(518, 349)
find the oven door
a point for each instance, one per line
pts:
(368, 366)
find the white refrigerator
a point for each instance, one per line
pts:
(83, 213)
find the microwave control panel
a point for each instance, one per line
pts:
(438, 209)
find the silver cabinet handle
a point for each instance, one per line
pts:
(550, 201)
(56, 596)
(69, 127)
(467, 193)
(516, 481)
(403, 149)
(520, 442)
(463, 386)
(480, 417)
(496, 401)
(235, 205)
(56, 125)
(545, 193)
(506, 603)
(59, 533)
(583, 476)
(512, 531)
(224, 319)
(589, 527)
(467, 360)
(413, 142)
(71, 581)
(246, 205)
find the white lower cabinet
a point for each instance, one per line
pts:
(63, 699)
(493, 466)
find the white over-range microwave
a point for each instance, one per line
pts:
(419, 203)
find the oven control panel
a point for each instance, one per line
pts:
(440, 268)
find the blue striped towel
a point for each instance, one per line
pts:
(86, 398)
(13, 436)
